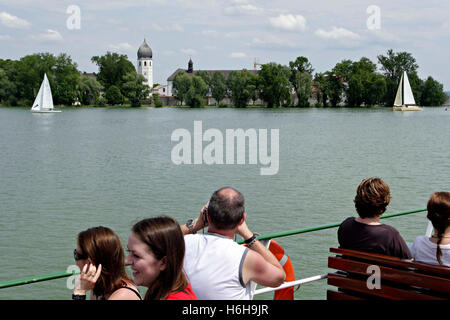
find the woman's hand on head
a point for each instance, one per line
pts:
(88, 277)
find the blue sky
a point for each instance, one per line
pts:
(230, 34)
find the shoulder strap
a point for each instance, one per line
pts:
(136, 292)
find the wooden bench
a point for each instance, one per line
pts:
(399, 279)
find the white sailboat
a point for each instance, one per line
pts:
(404, 99)
(44, 100)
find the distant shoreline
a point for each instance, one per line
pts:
(209, 107)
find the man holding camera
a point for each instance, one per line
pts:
(217, 267)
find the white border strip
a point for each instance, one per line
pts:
(291, 284)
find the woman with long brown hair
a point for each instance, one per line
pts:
(436, 249)
(156, 252)
(100, 257)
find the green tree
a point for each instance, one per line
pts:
(181, 85)
(320, 82)
(274, 85)
(433, 93)
(361, 83)
(65, 77)
(112, 68)
(240, 87)
(113, 95)
(392, 65)
(61, 71)
(301, 79)
(218, 86)
(205, 76)
(375, 89)
(134, 88)
(88, 89)
(334, 87)
(195, 96)
(30, 72)
(7, 89)
(157, 101)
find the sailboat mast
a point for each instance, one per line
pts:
(403, 88)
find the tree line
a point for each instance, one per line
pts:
(115, 83)
(350, 83)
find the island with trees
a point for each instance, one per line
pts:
(349, 83)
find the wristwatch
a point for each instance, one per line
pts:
(190, 226)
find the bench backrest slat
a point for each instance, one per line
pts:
(393, 274)
(399, 278)
(386, 292)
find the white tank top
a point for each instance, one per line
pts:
(213, 265)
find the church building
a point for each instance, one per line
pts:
(190, 72)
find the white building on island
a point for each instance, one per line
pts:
(145, 63)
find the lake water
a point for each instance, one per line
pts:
(63, 173)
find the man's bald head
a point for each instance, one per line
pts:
(226, 208)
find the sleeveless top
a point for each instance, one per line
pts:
(124, 287)
(186, 294)
(213, 265)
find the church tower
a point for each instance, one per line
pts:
(145, 63)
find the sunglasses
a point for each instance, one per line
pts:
(79, 256)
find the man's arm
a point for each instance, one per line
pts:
(198, 223)
(260, 265)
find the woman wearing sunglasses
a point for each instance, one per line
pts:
(100, 257)
(156, 252)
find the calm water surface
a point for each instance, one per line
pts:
(63, 173)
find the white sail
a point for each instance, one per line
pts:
(398, 97)
(408, 97)
(44, 99)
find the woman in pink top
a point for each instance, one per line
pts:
(156, 252)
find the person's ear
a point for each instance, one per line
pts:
(244, 216)
(163, 264)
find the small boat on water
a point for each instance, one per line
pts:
(404, 99)
(44, 100)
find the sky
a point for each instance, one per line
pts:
(230, 34)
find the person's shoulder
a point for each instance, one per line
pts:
(347, 221)
(192, 237)
(125, 293)
(421, 239)
(389, 229)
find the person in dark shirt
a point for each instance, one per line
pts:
(366, 233)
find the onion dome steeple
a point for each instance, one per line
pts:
(144, 52)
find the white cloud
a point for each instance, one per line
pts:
(168, 52)
(173, 27)
(238, 55)
(337, 34)
(50, 36)
(4, 37)
(189, 51)
(243, 7)
(123, 46)
(289, 22)
(211, 33)
(10, 21)
(274, 43)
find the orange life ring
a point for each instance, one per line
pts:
(286, 263)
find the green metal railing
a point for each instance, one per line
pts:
(29, 280)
